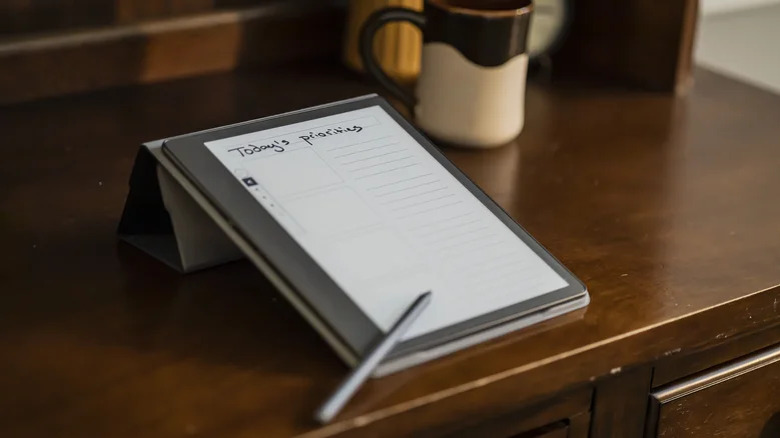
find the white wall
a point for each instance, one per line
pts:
(709, 7)
(742, 44)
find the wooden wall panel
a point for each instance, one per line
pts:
(277, 32)
(51, 47)
(131, 11)
(640, 42)
(29, 16)
(23, 17)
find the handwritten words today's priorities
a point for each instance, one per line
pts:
(279, 145)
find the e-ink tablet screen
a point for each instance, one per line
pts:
(384, 219)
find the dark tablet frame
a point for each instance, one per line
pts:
(301, 272)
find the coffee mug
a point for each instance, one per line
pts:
(471, 87)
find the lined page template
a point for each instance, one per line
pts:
(385, 220)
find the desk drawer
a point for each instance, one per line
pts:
(739, 399)
(565, 416)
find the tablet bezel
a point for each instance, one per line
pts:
(305, 276)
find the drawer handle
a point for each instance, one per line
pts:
(718, 375)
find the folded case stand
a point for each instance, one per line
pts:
(163, 220)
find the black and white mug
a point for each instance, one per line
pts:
(471, 88)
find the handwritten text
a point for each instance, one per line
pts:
(330, 131)
(279, 145)
(276, 146)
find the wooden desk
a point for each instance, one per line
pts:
(669, 210)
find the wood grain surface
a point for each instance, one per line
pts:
(666, 208)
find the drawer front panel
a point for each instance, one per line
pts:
(740, 399)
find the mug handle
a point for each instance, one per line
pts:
(375, 22)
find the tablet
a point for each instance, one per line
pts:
(359, 213)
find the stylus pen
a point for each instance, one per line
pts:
(355, 379)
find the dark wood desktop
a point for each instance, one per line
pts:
(668, 208)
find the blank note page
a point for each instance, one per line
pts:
(384, 219)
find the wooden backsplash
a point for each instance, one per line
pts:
(55, 47)
(644, 43)
(19, 17)
(66, 46)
